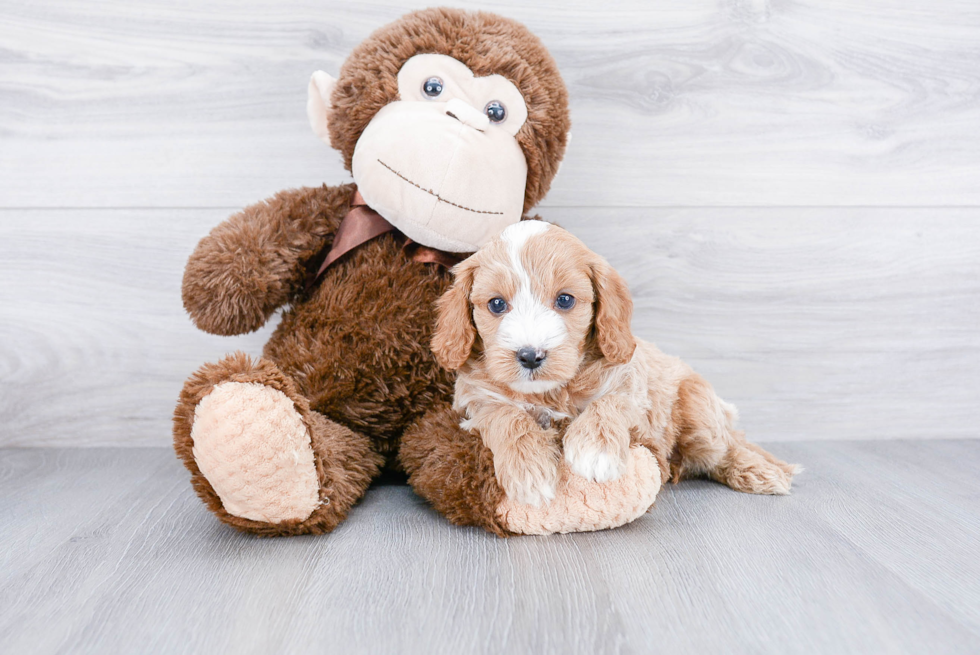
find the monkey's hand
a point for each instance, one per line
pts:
(255, 261)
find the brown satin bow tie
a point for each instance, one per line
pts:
(361, 224)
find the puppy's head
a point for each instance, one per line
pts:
(532, 303)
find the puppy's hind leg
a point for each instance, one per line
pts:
(708, 444)
(746, 467)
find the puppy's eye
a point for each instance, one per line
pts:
(565, 301)
(432, 87)
(497, 305)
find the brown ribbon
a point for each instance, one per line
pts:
(362, 224)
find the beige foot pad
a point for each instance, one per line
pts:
(253, 447)
(581, 506)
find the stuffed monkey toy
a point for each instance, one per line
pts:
(453, 125)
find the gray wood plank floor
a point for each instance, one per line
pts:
(107, 550)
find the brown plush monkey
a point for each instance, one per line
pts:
(453, 125)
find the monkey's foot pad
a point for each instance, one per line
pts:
(254, 448)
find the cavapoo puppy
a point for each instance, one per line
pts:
(538, 328)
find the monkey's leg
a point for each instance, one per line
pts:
(260, 458)
(708, 444)
(453, 470)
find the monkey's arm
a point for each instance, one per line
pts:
(256, 260)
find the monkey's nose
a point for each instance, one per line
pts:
(466, 114)
(531, 358)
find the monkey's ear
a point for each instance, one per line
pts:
(318, 103)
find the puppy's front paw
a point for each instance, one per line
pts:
(535, 493)
(529, 482)
(592, 460)
(595, 464)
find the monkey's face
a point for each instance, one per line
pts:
(442, 162)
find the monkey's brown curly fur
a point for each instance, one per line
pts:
(353, 352)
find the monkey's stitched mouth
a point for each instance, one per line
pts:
(436, 195)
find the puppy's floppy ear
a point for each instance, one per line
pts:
(613, 312)
(455, 333)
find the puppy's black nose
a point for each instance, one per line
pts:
(530, 358)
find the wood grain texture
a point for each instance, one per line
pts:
(875, 552)
(679, 102)
(817, 323)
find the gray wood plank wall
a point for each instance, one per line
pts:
(792, 190)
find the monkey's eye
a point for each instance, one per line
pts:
(495, 111)
(564, 301)
(432, 87)
(497, 305)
